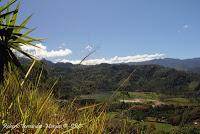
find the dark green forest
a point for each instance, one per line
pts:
(82, 79)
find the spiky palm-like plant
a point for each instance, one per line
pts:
(12, 37)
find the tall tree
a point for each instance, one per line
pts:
(13, 37)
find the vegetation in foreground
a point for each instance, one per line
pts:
(28, 105)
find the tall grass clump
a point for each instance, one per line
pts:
(28, 109)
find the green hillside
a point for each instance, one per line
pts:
(80, 79)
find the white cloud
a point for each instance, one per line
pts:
(89, 48)
(185, 26)
(116, 59)
(41, 51)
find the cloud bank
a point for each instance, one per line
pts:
(41, 51)
(116, 59)
(60, 55)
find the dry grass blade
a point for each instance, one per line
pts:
(46, 99)
(87, 56)
(123, 83)
(88, 107)
(29, 71)
(39, 78)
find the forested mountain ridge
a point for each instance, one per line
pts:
(192, 65)
(80, 79)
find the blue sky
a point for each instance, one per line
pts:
(117, 27)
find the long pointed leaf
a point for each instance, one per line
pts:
(23, 52)
(12, 26)
(7, 14)
(14, 59)
(14, 17)
(23, 24)
(6, 6)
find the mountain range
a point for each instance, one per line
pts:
(192, 65)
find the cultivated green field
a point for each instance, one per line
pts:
(103, 96)
(142, 99)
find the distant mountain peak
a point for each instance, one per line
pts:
(192, 65)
